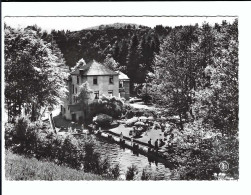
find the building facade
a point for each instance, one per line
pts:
(124, 85)
(101, 80)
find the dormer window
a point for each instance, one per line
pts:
(95, 80)
(81, 71)
(111, 80)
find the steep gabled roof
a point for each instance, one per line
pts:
(94, 68)
(122, 76)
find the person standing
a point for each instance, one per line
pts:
(121, 137)
(156, 145)
(150, 143)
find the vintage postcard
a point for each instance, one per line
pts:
(120, 97)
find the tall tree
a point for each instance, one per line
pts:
(33, 72)
(110, 63)
(217, 104)
(133, 60)
(115, 51)
(174, 72)
(123, 55)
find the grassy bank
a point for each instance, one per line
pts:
(18, 167)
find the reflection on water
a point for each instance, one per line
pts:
(125, 157)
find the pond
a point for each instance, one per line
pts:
(125, 158)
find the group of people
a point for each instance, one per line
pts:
(158, 143)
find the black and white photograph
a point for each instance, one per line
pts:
(120, 97)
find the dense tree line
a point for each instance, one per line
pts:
(196, 77)
(196, 74)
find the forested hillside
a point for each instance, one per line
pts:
(132, 47)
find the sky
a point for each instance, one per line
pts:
(78, 23)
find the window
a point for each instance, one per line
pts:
(72, 89)
(120, 84)
(77, 80)
(110, 92)
(96, 93)
(76, 90)
(95, 80)
(111, 80)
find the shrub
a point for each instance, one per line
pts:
(35, 140)
(114, 171)
(203, 163)
(70, 154)
(145, 175)
(93, 162)
(107, 105)
(22, 135)
(9, 134)
(131, 172)
(103, 120)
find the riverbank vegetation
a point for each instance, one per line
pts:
(37, 140)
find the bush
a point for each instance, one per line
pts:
(103, 120)
(70, 154)
(114, 172)
(31, 139)
(35, 140)
(145, 175)
(131, 172)
(93, 162)
(203, 163)
(107, 105)
(9, 134)
(21, 136)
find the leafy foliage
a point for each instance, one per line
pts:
(131, 172)
(129, 48)
(145, 175)
(84, 94)
(103, 120)
(34, 76)
(196, 75)
(35, 140)
(111, 106)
